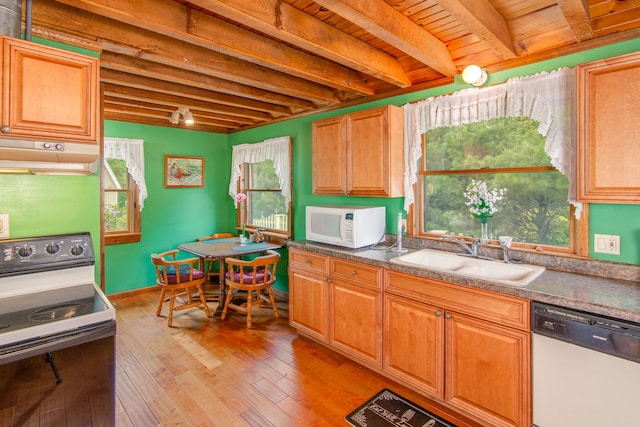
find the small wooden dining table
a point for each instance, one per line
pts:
(219, 249)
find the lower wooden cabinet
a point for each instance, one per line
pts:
(487, 370)
(465, 347)
(468, 347)
(414, 344)
(309, 294)
(337, 302)
(355, 310)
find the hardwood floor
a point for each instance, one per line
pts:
(209, 372)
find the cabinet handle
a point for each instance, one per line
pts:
(438, 313)
(5, 129)
(328, 280)
(353, 272)
(306, 261)
(447, 316)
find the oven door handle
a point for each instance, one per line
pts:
(47, 344)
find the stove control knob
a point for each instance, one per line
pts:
(25, 251)
(77, 250)
(52, 248)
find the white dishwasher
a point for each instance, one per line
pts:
(586, 369)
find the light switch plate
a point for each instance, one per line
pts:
(606, 244)
(4, 226)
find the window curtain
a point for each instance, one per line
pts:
(275, 149)
(547, 97)
(132, 152)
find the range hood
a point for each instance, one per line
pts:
(48, 157)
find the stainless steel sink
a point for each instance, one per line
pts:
(494, 271)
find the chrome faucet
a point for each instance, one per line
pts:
(505, 244)
(472, 251)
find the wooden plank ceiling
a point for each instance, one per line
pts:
(238, 64)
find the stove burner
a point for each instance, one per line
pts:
(57, 312)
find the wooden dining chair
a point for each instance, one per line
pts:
(255, 276)
(180, 279)
(211, 267)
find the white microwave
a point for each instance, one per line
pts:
(346, 225)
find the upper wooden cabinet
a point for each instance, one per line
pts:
(48, 93)
(609, 130)
(360, 154)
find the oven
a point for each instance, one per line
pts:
(57, 333)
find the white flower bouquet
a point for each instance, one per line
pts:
(481, 201)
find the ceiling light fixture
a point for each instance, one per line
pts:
(175, 118)
(186, 114)
(188, 117)
(474, 75)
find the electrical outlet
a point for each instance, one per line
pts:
(404, 225)
(4, 226)
(606, 244)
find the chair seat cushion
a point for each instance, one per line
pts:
(247, 277)
(184, 274)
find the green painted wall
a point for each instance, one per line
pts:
(621, 220)
(40, 205)
(602, 217)
(170, 216)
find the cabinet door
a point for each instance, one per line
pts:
(356, 321)
(309, 303)
(488, 370)
(412, 344)
(609, 130)
(48, 93)
(375, 152)
(329, 156)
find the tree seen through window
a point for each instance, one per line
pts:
(505, 153)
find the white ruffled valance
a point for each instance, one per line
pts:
(132, 152)
(275, 149)
(547, 97)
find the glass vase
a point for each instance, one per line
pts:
(484, 238)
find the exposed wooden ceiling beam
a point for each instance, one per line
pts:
(178, 21)
(127, 40)
(166, 110)
(154, 121)
(485, 22)
(576, 13)
(113, 61)
(152, 113)
(140, 82)
(143, 95)
(386, 23)
(284, 22)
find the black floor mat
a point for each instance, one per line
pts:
(387, 409)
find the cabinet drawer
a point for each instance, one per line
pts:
(355, 272)
(308, 261)
(502, 309)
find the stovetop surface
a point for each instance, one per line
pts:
(47, 287)
(36, 315)
(27, 310)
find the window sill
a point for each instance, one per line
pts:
(118, 239)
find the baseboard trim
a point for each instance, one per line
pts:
(132, 293)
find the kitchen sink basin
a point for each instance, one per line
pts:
(494, 271)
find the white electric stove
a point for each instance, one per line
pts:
(52, 312)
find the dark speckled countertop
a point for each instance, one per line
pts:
(605, 288)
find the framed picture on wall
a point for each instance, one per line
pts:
(183, 172)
